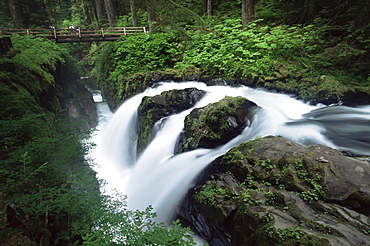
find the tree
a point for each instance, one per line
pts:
(247, 12)
(133, 8)
(209, 9)
(86, 10)
(111, 13)
(151, 16)
(14, 14)
(310, 9)
(99, 10)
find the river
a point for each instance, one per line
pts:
(161, 178)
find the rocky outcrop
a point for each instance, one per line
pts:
(217, 123)
(273, 191)
(116, 93)
(160, 106)
(81, 109)
(283, 80)
(75, 99)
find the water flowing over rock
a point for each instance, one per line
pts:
(160, 106)
(273, 191)
(217, 123)
(270, 191)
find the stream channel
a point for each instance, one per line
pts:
(160, 178)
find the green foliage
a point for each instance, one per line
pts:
(116, 225)
(212, 122)
(144, 53)
(266, 165)
(126, 20)
(30, 71)
(4, 18)
(316, 191)
(209, 192)
(284, 234)
(227, 49)
(287, 57)
(38, 53)
(105, 62)
(274, 12)
(45, 181)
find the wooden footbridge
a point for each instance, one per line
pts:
(80, 35)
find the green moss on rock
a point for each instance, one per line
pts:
(152, 109)
(219, 122)
(284, 194)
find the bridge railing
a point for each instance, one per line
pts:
(111, 31)
(60, 33)
(28, 32)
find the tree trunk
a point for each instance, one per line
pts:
(151, 17)
(209, 7)
(14, 15)
(123, 8)
(99, 10)
(309, 11)
(109, 7)
(86, 11)
(247, 12)
(133, 9)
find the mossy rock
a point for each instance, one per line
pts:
(288, 194)
(218, 123)
(160, 106)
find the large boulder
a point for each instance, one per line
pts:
(160, 106)
(217, 123)
(273, 191)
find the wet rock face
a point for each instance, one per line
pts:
(160, 106)
(272, 191)
(217, 123)
(80, 108)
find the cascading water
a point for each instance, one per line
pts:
(161, 178)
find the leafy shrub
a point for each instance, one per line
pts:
(227, 49)
(144, 53)
(45, 182)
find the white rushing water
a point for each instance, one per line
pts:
(160, 178)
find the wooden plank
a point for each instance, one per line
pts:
(87, 35)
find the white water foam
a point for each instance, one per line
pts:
(160, 178)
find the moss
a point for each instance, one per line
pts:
(255, 230)
(296, 173)
(218, 122)
(145, 129)
(209, 199)
(269, 188)
(251, 226)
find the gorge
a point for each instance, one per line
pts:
(161, 176)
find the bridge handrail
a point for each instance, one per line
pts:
(57, 32)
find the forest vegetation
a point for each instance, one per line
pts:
(49, 194)
(315, 49)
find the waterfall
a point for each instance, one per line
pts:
(160, 178)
